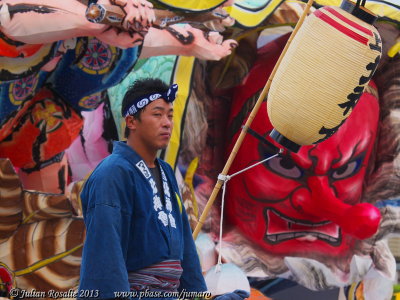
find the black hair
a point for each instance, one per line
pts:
(139, 88)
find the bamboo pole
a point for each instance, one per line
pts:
(252, 115)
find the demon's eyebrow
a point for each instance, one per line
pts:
(271, 147)
(353, 154)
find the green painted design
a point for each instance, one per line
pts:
(252, 4)
(155, 67)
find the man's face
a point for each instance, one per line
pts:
(154, 127)
(270, 203)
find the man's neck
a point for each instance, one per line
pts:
(149, 156)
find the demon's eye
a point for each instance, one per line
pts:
(284, 166)
(348, 169)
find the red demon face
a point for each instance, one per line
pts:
(309, 203)
(300, 204)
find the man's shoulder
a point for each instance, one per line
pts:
(106, 181)
(113, 165)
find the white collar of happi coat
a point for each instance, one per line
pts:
(164, 213)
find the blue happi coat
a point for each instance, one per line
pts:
(127, 229)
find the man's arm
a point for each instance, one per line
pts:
(103, 268)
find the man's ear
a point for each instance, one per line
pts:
(131, 122)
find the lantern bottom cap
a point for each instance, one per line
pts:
(284, 141)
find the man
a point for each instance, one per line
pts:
(137, 232)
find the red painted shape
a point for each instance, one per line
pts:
(355, 36)
(348, 21)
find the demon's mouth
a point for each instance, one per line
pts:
(281, 228)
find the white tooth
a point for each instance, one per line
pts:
(308, 238)
(337, 233)
(332, 239)
(4, 15)
(285, 236)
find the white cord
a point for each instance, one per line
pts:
(225, 179)
(252, 166)
(218, 267)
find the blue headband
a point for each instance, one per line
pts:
(141, 102)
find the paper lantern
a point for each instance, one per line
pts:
(323, 74)
(206, 251)
(226, 279)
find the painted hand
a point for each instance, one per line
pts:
(139, 14)
(208, 46)
(139, 17)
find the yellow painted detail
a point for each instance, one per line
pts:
(179, 202)
(26, 220)
(192, 5)
(182, 76)
(45, 262)
(189, 181)
(252, 18)
(249, 18)
(329, 2)
(394, 50)
(351, 292)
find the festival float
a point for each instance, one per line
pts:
(304, 222)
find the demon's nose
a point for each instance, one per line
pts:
(360, 220)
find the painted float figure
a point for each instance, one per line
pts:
(292, 203)
(55, 64)
(313, 195)
(301, 213)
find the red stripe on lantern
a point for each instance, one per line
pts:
(341, 28)
(348, 21)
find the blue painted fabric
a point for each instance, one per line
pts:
(90, 68)
(79, 77)
(123, 231)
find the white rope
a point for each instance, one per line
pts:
(225, 179)
(256, 164)
(218, 267)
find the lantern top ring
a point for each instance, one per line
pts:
(284, 141)
(359, 11)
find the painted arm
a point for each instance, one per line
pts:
(47, 21)
(187, 41)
